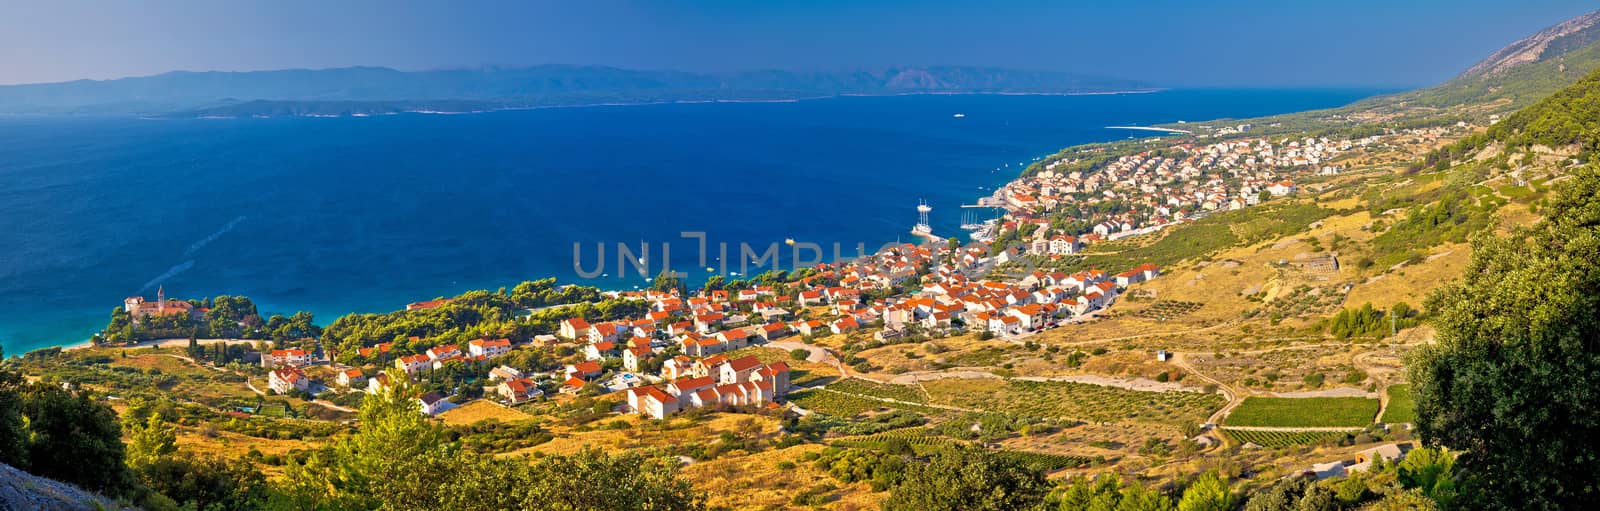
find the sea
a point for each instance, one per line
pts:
(367, 214)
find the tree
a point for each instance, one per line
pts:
(1431, 471)
(1408, 500)
(968, 478)
(13, 434)
(207, 483)
(75, 439)
(1209, 493)
(150, 442)
(1110, 493)
(1510, 380)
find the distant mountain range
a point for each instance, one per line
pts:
(375, 90)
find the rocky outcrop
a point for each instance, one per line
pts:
(21, 491)
(1546, 44)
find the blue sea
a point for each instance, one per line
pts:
(339, 215)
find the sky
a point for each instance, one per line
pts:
(1216, 43)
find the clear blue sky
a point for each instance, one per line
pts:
(1178, 43)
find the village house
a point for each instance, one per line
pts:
(574, 328)
(600, 350)
(286, 379)
(633, 357)
(586, 370)
(504, 373)
(738, 370)
(352, 378)
(519, 390)
(433, 402)
(443, 352)
(413, 364)
(377, 384)
(489, 348)
(288, 357)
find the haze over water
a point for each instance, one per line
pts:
(338, 215)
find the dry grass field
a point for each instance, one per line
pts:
(482, 410)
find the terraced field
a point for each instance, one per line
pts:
(839, 404)
(1164, 310)
(874, 389)
(1070, 400)
(1281, 438)
(1310, 412)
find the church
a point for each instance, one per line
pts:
(138, 308)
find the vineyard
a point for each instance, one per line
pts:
(1307, 412)
(830, 402)
(1282, 438)
(1070, 400)
(1402, 408)
(922, 441)
(870, 388)
(1164, 310)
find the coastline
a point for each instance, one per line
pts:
(340, 310)
(796, 99)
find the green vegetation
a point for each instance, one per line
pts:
(1566, 118)
(1369, 322)
(1213, 234)
(1071, 400)
(1519, 332)
(476, 315)
(224, 316)
(923, 441)
(839, 404)
(968, 479)
(1163, 310)
(1401, 407)
(1283, 438)
(1452, 218)
(1304, 412)
(870, 388)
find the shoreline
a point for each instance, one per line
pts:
(24, 347)
(797, 99)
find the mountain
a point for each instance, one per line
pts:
(1518, 74)
(1513, 77)
(380, 90)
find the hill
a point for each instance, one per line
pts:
(21, 490)
(378, 90)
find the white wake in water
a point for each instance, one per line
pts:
(213, 237)
(171, 272)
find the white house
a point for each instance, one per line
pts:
(489, 348)
(287, 379)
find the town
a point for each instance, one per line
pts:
(899, 291)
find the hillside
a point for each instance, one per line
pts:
(376, 89)
(1513, 77)
(1521, 72)
(20, 490)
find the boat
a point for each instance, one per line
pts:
(958, 116)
